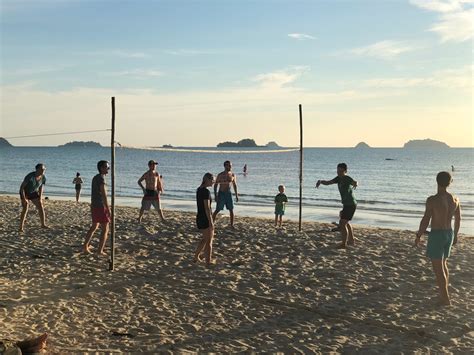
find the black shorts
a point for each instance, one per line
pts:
(347, 212)
(78, 187)
(202, 222)
(31, 196)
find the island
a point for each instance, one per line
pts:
(362, 145)
(4, 143)
(247, 143)
(272, 145)
(425, 144)
(167, 146)
(81, 144)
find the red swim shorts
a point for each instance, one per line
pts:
(100, 215)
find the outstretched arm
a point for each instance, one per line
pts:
(425, 221)
(325, 182)
(354, 184)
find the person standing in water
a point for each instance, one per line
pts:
(78, 185)
(346, 184)
(440, 210)
(225, 180)
(31, 189)
(204, 220)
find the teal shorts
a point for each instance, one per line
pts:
(224, 198)
(440, 242)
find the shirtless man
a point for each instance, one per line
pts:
(224, 197)
(440, 209)
(31, 189)
(153, 188)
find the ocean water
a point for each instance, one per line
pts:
(391, 193)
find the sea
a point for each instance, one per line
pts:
(393, 182)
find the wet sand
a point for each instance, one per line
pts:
(271, 290)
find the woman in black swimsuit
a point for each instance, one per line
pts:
(204, 219)
(78, 182)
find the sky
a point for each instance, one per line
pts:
(196, 73)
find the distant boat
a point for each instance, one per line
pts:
(389, 159)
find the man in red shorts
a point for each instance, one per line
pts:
(99, 208)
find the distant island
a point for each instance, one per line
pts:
(167, 146)
(362, 145)
(4, 143)
(247, 143)
(425, 144)
(80, 144)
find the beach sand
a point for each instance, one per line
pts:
(274, 291)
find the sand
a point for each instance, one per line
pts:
(271, 290)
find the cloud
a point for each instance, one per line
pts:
(455, 22)
(278, 79)
(137, 73)
(452, 79)
(118, 53)
(384, 49)
(187, 52)
(301, 36)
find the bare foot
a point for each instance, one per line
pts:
(197, 260)
(21, 230)
(442, 302)
(341, 246)
(45, 226)
(87, 250)
(211, 263)
(101, 253)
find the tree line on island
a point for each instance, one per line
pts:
(250, 143)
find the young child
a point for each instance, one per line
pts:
(280, 203)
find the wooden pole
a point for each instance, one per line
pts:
(112, 177)
(301, 165)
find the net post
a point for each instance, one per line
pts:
(301, 168)
(112, 174)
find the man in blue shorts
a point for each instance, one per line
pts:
(440, 209)
(224, 197)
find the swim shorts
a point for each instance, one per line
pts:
(100, 215)
(439, 244)
(151, 198)
(279, 211)
(347, 212)
(224, 198)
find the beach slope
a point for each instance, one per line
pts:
(270, 290)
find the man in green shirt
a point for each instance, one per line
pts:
(31, 189)
(346, 187)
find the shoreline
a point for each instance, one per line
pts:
(187, 206)
(271, 290)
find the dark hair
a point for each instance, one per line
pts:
(39, 166)
(342, 166)
(227, 162)
(207, 176)
(78, 174)
(443, 179)
(101, 164)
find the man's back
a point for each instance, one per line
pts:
(443, 207)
